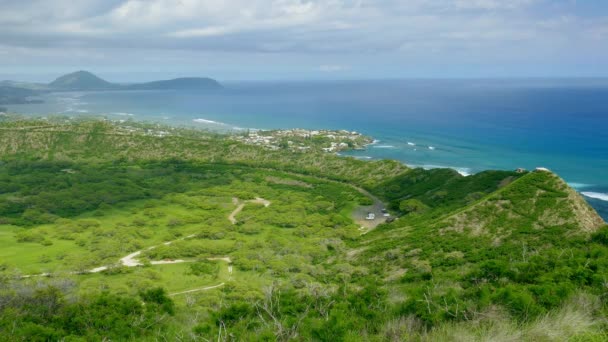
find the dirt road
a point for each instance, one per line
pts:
(241, 205)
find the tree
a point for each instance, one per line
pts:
(412, 206)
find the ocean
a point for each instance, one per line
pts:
(468, 125)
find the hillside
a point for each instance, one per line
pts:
(505, 249)
(539, 200)
(219, 238)
(80, 80)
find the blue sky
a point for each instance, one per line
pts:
(129, 40)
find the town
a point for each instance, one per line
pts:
(302, 140)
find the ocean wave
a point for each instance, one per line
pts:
(123, 114)
(464, 171)
(580, 185)
(383, 146)
(411, 143)
(205, 121)
(431, 147)
(362, 157)
(596, 195)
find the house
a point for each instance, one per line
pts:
(370, 216)
(520, 170)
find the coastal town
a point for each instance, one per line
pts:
(302, 140)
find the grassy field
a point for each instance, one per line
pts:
(288, 238)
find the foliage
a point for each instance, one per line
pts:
(493, 252)
(43, 313)
(413, 205)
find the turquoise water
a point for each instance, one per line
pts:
(469, 125)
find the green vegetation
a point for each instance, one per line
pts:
(114, 231)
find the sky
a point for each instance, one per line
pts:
(139, 40)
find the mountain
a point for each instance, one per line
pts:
(81, 80)
(14, 92)
(202, 83)
(84, 80)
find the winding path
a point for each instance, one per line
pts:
(198, 289)
(240, 205)
(132, 261)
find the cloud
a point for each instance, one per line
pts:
(306, 32)
(493, 4)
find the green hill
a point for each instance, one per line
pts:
(505, 249)
(539, 200)
(153, 233)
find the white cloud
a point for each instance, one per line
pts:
(492, 4)
(333, 68)
(402, 32)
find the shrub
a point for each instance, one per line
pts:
(412, 206)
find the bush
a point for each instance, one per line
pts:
(601, 236)
(410, 206)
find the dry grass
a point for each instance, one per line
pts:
(578, 319)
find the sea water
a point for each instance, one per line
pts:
(468, 125)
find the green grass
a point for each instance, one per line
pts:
(495, 256)
(32, 258)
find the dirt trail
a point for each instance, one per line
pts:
(241, 205)
(198, 289)
(132, 261)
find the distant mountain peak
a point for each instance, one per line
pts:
(81, 80)
(84, 80)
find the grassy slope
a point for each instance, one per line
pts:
(104, 141)
(490, 241)
(524, 247)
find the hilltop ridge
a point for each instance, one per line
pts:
(536, 201)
